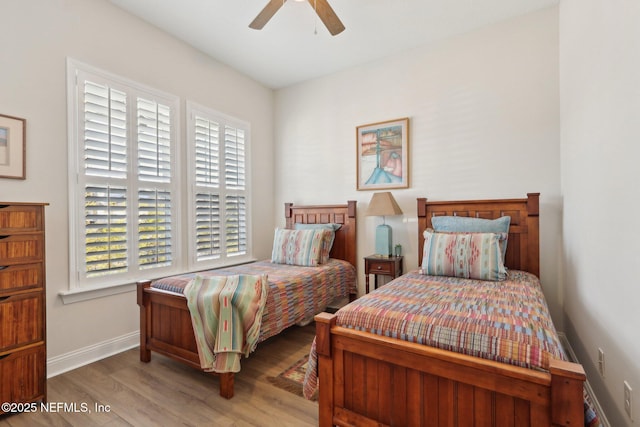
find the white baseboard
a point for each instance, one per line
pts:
(77, 358)
(572, 357)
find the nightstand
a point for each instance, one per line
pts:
(380, 265)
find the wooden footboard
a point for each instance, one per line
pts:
(367, 379)
(165, 327)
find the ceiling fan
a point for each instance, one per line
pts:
(322, 8)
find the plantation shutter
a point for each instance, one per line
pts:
(154, 141)
(236, 225)
(207, 149)
(105, 164)
(154, 228)
(235, 202)
(124, 188)
(154, 167)
(207, 201)
(220, 200)
(105, 131)
(207, 226)
(234, 158)
(106, 230)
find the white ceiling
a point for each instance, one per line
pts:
(288, 50)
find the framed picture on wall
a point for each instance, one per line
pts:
(383, 155)
(12, 147)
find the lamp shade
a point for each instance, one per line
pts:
(383, 204)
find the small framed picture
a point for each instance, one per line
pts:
(12, 147)
(383, 155)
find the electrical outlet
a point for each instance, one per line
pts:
(627, 399)
(601, 362)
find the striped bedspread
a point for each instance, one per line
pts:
(505, 321)
(295, 294)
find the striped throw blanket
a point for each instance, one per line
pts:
(226, 313)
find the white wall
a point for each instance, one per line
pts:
(484, 121)
(36, 37)
(600, 116)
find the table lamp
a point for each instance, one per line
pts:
(383, 204)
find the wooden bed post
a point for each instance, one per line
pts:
(533, 233)
(567, 384)
(227, 381)
(350, 250)
(145, 353)
(324, 322)
(287, 211)
(422, 225)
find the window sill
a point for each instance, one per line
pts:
(85, 294)
(89, 293)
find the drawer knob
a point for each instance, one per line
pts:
(379, 267)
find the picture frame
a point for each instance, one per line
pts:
(383, 155)
(13, 138)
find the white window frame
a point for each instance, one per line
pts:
(195, 110)
(81, 286)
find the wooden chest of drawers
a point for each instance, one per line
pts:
(22, 303)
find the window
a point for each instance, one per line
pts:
(219, 200)
(127, 201)
(123, 195)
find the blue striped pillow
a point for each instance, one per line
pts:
(467, 255)
(329, 236)
(298, 247)
(459, 224)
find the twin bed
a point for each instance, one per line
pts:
(368, 378)
(295, 293)
(428, 350)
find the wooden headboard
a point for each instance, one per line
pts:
(344, 245)
(523, 246)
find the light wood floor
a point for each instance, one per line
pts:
(167, 393)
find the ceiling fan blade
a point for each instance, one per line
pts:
(266, 14)
(327, 16)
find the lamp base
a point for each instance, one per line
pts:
(383, 240)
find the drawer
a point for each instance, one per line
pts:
(21, 248)
(20, 218)
(22, 375)
(21, 277)
(22, 320)
(380, 267)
